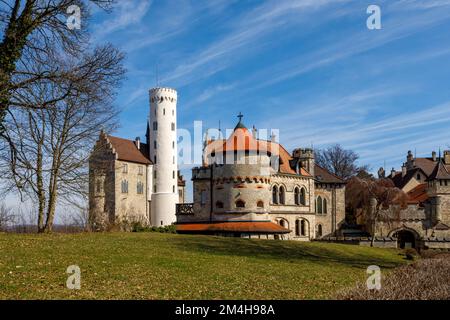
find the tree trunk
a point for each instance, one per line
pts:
(40, 190)
(14, 40)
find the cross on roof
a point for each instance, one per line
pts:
(240, 116)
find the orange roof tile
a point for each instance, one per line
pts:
(242, 140)
(418, 194)
(232, 227)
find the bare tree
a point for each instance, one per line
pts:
(6, 217)
(339, 161)
(32, 31)
(52, 144)
(375, 200)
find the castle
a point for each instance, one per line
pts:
(426, 220)
(246, 186)
(251, 187)
(130, 180)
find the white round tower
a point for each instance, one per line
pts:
(163, 154)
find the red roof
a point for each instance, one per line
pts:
(126, 150)
(242, 140)
(232, 227)
(418, 194)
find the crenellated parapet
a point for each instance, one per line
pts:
(159, 95)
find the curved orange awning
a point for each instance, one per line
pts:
(232, 227)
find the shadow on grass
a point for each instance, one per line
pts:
(290, 251)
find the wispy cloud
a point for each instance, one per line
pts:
(126, 13)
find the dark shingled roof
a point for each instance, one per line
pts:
(126, 150)
(324, 176)
(400, 181)
(441, 171)
(426, 164)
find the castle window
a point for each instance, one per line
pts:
(154, 144)
(173, 174)
(124, 186)
(418, 176)
(282, 195)
(155, 125)
(302, 228)
(282, 223)
(173, 189)
(319, 205)
(274, 195)
(164, 111)
(319, 231)
(140, 187)
(173, 112)
(260, 204)
(173, 126)
(297, 196)
(297, 227)
(125, 168)
(303, 196)
(324, 206)
(140, 170)
(219, 205)
(173, 144)
(203, 197)
(240, 204)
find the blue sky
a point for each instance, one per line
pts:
(310, 68)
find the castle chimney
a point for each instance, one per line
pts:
(410, 160)
(433, 155)
(255, 132)
(403, 170)
(447, 156)
(392, 172)
(138, 143)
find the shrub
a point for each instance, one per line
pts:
(411, 254)
(426, 279)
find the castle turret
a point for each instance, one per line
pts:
(306, 158)
(163, 154)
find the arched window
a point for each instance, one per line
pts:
(297, 196)
(319, 231)
(282, 223)
(297, 227)
(275, 195)
(282, 195)
(260, 204)
(324, 205)
(319, 204)
(303, 196)
(219, 204)
(302, 228)
(240, 204)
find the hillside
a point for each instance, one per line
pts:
(169, 266)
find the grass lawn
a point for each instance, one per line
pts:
(170, 266)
